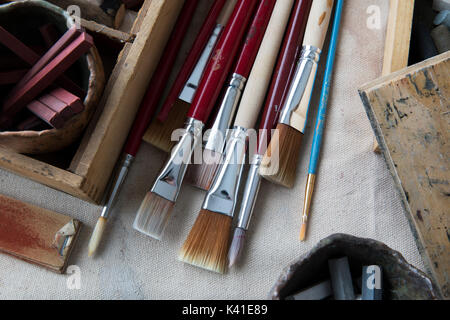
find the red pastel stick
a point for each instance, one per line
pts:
(68, 98)
(46, 114)
(47, 75)
(192, 58)
(159, 79)
(57, 105)
(60, 45)
(31, 58)
(284, 71)
(12, 77)
(219, 65)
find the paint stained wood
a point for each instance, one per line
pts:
(410, 114)
(28, 232)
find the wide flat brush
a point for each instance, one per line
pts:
(201, 175)
(281, 79)
(280, 160)
(146, 111)
(155, 210)
(176, 106)
(320, 122)
(207, 243)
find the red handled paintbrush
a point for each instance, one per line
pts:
(207, 243)
(155, 210)
(281, 79)
(175, 108)
(201, 175)
(146, 111)
(280, 161)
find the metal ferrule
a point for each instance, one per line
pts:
(216, 137)
(308, 197)
(250, 193)
(115, 187)
(169, 181)
(188, 92)
(301, 88)
(222, 195)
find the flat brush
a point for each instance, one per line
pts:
(280, 160)
(320, 122)
(146, 111)
(207, 243)
(283, 74)
(155, 210)
(176, 106)
(201, 175)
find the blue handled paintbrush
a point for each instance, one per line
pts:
(318, 132)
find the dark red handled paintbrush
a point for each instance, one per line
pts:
(173, 112)
(281, 79)
(155, 210)
(146, 111)
(201, 175)
(280, 160)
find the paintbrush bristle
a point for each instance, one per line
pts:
(153, 215)
(202, 175)
(159, 134)
(281, 168)
(207, 243)
(96, 236)
(237, 244)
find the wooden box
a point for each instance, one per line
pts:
(93, 161)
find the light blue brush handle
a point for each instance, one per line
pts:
(318, 131)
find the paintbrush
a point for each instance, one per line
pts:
(283, 74)
(320, 122)
(156, 208)
(280, 160)
(175, 108)
(201, 175)
(146, 111)
(207, 243)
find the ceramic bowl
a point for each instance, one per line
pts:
(401, 281)
(89, 69)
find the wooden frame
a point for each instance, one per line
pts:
(398, 37)
(101, 145)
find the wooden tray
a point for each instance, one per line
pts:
(409, 112)
(101, 145)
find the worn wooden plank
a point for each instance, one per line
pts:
(398, 36)
(410, 112)
(29, 233)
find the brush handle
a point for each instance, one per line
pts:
(159, 79)
(194, 54)
(220, 63)
(226, 12)
(318, 21)
(318, 132)
(259, 79)
(254, 37)
(284, 72)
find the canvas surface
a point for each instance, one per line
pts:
(355, 194)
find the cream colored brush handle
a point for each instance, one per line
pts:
(258, 82)
(318, 21)
(226, 12)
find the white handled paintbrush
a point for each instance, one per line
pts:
(280, 161)
(207, 243)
